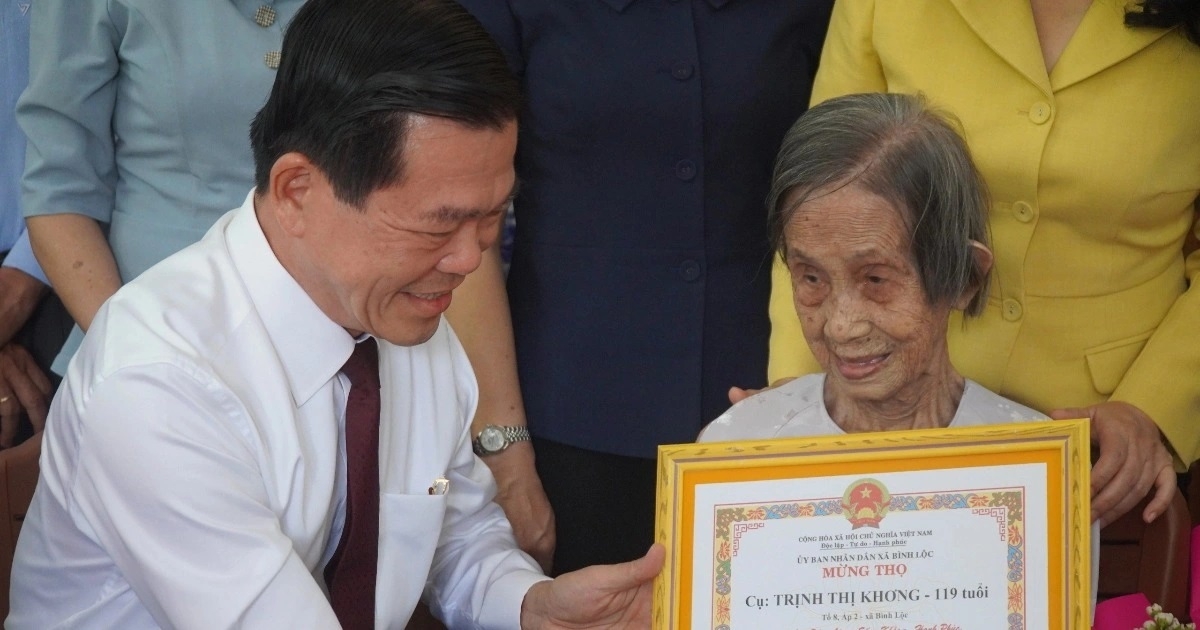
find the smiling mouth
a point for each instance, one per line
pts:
(429, 296)
(430, 304)
(855, 368)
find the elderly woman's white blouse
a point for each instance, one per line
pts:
(797, 409)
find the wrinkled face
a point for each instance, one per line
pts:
(859, 296)
(389, 267)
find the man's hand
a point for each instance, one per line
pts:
(611, 596)
(23, 386)
(524, 501)
(1132, 460)
(19, 295)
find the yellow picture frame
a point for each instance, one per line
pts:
(1062, 446)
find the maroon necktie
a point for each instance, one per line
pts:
(351, 571)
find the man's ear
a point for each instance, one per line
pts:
(983, 264)
(294, 179)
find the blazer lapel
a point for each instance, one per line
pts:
(1101, 41)
(1006, 26)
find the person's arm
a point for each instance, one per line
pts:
(21, 288)
(1133, 460)
(170, 486)
(77, 260)
(1159, 389)
(21, 257)
(478, 576)
(70, 176)
(24, 388)
(849, 65)
(480, 317)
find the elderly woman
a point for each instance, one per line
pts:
(1076, 113)
(879, 215)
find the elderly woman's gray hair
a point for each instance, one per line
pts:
(896, 147)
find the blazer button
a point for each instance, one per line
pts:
(690, 270)
(685, 170)
(1012, 310)
(682, 71)
(1023, 211)
(1039, 113)
(265, 16)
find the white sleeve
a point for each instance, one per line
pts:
(479, 576)
(169, 485)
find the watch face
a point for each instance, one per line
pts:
(492, 439)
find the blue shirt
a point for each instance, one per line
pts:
(138, 115)
(14, 74)
(640, 267)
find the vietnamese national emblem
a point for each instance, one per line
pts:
(865, 503)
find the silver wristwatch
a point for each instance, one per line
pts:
(493, 439)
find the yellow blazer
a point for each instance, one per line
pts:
(1094, 171)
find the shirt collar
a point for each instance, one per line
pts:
(311, 347)
(620, 5)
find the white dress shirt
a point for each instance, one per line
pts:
(193, 466)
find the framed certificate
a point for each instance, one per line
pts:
(945, 529)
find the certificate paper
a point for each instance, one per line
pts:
(943, 530)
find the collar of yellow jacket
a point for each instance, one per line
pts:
(1101, 41)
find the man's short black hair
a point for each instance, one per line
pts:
(352, 74)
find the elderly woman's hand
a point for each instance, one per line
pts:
(1132, 460)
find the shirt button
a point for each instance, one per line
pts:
(685, 170)
(1039, 113)
(272, 59)
(682, 71)
(1012, 310)
(690, 270)
(1023, 211)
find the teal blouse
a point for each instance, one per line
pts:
(137, 114)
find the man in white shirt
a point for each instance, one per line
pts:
(195, 460)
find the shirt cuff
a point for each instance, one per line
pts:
(502, 607)
(21, 257)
